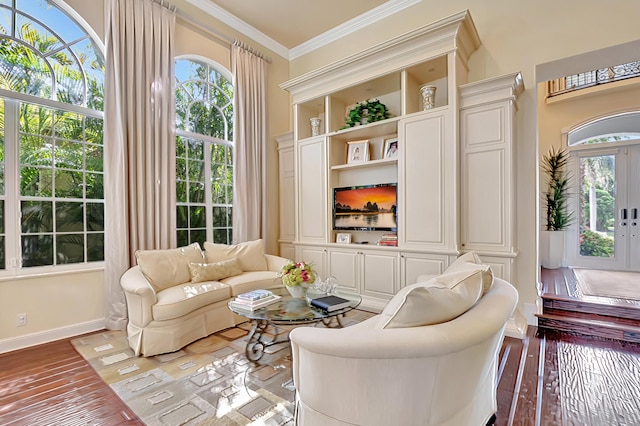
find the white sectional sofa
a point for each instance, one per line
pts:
(177, 296)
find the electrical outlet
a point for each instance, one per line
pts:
(21, 320)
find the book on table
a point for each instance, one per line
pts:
(331, 303)
(254, 295)
(252, 305)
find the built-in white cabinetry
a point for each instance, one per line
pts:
(311, 190)
(487, 186)
(286, 161)
(412, 265)
(453, 172)
(427, 196)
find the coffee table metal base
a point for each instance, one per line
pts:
(257, 342)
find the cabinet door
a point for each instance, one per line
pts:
(343, 265)
(487, 178)
(311, 191)
(412, 265)
(379, 274)
(426, 174)
(316, 256)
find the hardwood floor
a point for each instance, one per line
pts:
(52, 384)
(547, 379)
(565, 307)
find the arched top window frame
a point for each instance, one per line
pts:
(617, 128)
(17, 18)
(227, 138)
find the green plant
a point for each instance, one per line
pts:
(366, 112)
(594, 244)
(557, 195)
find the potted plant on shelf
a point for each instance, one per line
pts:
(556, 200)
(366, 112)
(297, 277)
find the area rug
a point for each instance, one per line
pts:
(209, 382)
(615, 284)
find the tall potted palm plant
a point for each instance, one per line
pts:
(556, 202)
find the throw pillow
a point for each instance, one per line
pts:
(438, 300)
(214, 271)
(471, 262)
(250, 254)
(166, 268)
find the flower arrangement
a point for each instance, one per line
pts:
(366, 112)
(297, 273)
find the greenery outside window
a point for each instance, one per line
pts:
(51, 146)
(204, 152)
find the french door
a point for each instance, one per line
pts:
(606, 232)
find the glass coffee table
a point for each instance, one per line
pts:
(288, 311)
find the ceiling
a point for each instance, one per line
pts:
(292, 22)
(294, 27)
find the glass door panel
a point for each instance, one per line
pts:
(597, 203)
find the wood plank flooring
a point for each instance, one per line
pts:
(550, 379)
(52, 384)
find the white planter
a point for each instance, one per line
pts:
(551, 249)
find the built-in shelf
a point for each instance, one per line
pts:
(370, 163)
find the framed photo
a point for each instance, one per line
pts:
(390, 149)
(343, 238)
(357, 151)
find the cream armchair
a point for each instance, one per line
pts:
(442, 374)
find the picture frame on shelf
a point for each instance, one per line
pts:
(343, 238)
(390, 148)
(357, 151)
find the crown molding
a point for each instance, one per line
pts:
(372, 16)
(241, 26)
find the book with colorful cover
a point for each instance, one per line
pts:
(255, 295)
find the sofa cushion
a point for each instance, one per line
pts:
(180, 300)
(252, 280)
(435, 301)
(166, 268)
(250, 254)
(471, 262)
(214, 271)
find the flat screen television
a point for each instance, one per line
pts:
(366, 207)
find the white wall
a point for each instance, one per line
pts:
(516, 36)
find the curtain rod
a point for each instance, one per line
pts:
(220, 36)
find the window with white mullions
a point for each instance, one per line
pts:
(204, 152)
(51, 152)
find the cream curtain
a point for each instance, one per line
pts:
(139, 140)
(250, 133)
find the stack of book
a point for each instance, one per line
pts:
(389, 240)
(255, 299)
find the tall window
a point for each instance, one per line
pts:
(51, 147)
(204, 152)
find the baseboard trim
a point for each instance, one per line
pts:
(47, 336)
(516, 326)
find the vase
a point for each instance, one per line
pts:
(315, 126)
(297, 291)
(551, 249)
(428, 94)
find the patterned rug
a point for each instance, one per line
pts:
(615, 284)
(209, 382)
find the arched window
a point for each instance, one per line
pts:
(51, 147)
(204, 152)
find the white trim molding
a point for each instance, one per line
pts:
(21, 342)
(370, 17)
